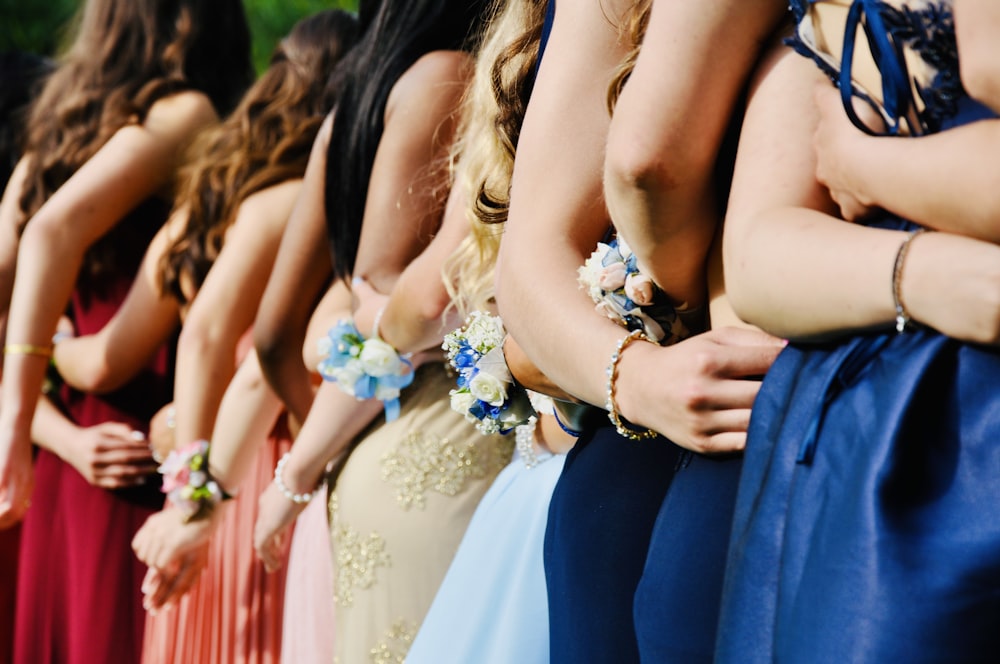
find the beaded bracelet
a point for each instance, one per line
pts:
(903, 319)
(612, 372)
(297, 498)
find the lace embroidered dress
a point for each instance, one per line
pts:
(862, 532)
(398, 511)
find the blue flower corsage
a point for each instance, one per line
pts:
(364, 368)
(486, 394)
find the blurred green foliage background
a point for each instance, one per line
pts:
(38, 26)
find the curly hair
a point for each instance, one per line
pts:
(264, 142)
(489, 129)
(126, 55)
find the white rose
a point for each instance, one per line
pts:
(323, 346)
(197, 478)
(380, 359)
(385, 393)
(461, 402)
(347, 375)
(488, 388)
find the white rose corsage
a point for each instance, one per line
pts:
(487, 393)
(364, 368)
(627, 296)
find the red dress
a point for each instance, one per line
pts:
(78, 594)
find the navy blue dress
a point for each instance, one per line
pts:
(865, 527)
(600, 520)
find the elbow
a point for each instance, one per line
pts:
(635, 164)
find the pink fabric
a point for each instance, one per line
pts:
(308, 624)
(233, 614)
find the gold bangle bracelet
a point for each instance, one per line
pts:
(610, 405)
(28, 349)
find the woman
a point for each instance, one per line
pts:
(872, 437)
(105, 136)
(406, 492)
(554, 224)
(237, 194)
(492, 606)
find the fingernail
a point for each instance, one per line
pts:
(138, 436)
(356, 280)
(784, 342)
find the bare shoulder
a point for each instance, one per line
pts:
(435, 75)
(183, 112)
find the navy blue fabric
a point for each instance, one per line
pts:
(677, 601)
(600, 519)
(865, 526)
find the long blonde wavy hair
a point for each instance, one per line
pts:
(489, 129)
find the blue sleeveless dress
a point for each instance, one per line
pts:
(865, 528)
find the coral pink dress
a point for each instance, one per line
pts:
(233, 613)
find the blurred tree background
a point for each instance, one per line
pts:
(38, 26)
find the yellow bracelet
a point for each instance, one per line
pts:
(610, 406)
(28, 349)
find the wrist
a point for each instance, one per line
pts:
(296, 483)
(624, 423)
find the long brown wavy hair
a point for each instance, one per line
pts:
(489, 129)
(264, 142)
(124, 56)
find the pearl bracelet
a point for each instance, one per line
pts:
(297, 498)
(612, 371)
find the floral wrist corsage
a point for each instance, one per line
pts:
(627, 296)
(364, 368)
(187, 482)
(487, 394)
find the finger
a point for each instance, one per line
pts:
(724, 395)
(734, 420)
(726, 442)
(746, 361)
(184, 581)
(125, 456)
(742, 336)
(154, 600)
(117, 430)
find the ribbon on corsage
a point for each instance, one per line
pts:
(364, 368)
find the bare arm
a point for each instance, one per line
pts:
(414, 316)
(977, 24)
(667, 129)
(403, 208)
(948, 181)
(796, 271)
(301, 271)
(106, 360)
(133, 165)
(225, 308)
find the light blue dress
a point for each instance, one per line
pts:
(492, 606)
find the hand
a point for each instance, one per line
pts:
(698, 392)
(111, 455)
(367, 303)
(161, 432)
(275, 514)
(176, 553)
(17, 476)
(837, 142)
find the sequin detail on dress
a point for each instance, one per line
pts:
(356, 558)
(424, 462)
(395, 643)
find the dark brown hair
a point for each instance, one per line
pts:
(265, 141)
(126, 55)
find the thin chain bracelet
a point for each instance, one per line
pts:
(297, 498)
(902, 316)
(631, 434)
